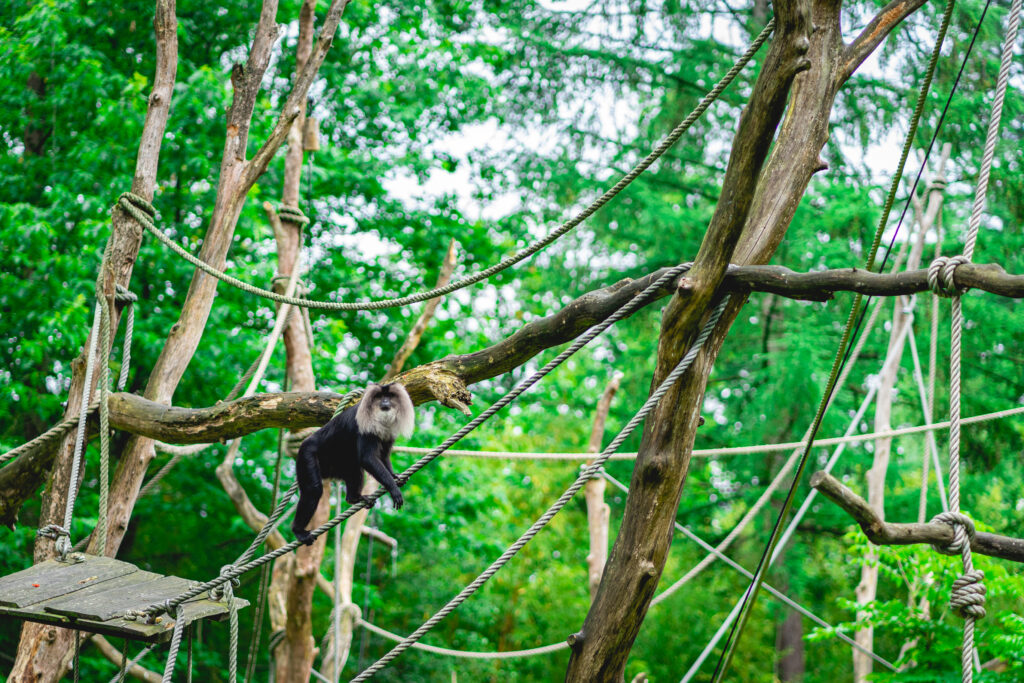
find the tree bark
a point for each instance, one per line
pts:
(45, 651)
(790, 648)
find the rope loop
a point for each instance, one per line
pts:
(225, 589)
(968, 594)
(123, 295)
(963, 532)
(938, 184)
(293, 214)
(135, 201)
(940, 275)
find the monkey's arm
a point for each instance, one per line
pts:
(372, 451)
(311, 488)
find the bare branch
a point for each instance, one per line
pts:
(820, 286)
(293, 106)
(880, 532)
(888, 18)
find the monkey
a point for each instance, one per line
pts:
(359, 438)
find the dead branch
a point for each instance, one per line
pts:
(881, 532)
(114, 656)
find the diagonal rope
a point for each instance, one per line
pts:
(135, 206)
(238, 569)
(587, 473)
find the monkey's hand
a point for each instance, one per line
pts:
(303, 536)
(396, 498)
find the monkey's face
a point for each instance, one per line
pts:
(386, 410)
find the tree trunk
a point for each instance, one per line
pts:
(637, 559)
(789, 645)
(598, 512)
(45, 651)
(902, 316)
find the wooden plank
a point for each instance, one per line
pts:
(54, 578)
(83, 604)
(137, 630)
(103, 603)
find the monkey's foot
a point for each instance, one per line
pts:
(397, 499)
(370, 502)
(303, 536)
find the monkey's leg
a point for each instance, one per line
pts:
(353, 485)
(311, 488)
(370, 449)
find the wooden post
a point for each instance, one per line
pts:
(598, 511)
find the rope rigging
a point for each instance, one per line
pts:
(142, 211)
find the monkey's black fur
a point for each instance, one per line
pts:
(359, 438)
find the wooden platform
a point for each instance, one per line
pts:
(93, 594)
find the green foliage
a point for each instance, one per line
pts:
(490, 123)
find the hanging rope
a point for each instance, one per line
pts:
(968, 594)
(172, 655)
(139, 208)
(61, 533)
(588, 472)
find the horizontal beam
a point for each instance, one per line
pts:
(822, 285)
(881, 532)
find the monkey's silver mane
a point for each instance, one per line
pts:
(387, 424)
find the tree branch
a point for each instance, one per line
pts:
(293, 106)
(888, 18)
(880, 532)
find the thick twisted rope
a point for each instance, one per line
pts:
(135, 206)
(62, 533)
(54, 433)
(968, 593)
(172, 655)
(587, 473)
(628, 308)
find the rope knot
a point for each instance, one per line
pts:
(963, 532)
(937, 184)
(53, 532)
(968, 594)
(940, 275)
(226, 589)
(293, 214)
(130, 200)
(123, 295)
